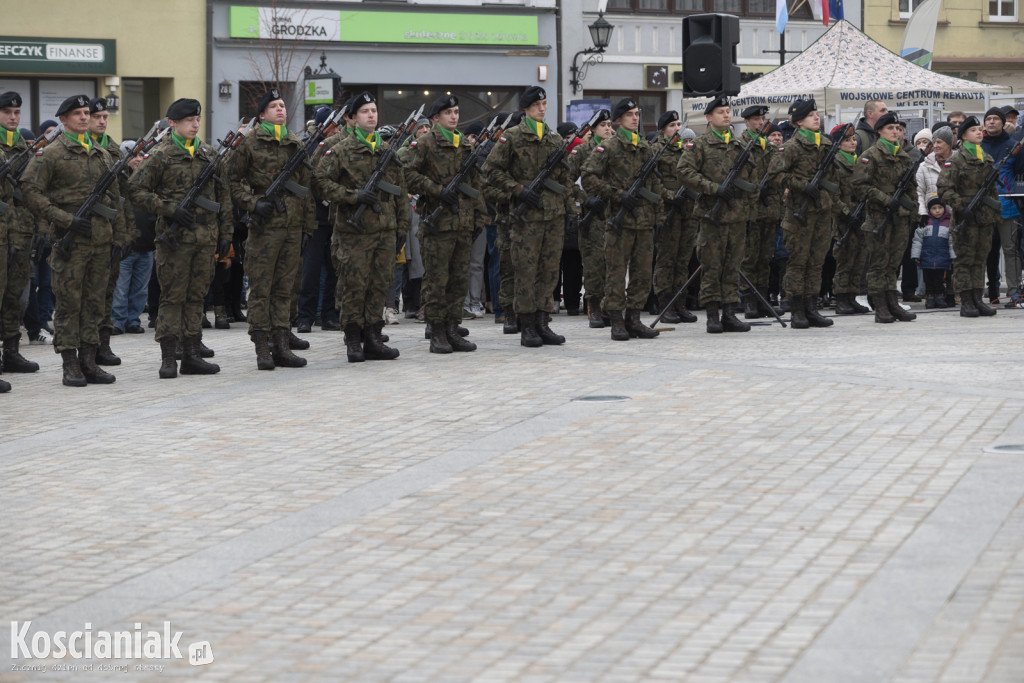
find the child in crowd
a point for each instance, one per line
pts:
(933, 252)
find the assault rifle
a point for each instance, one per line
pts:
(981, 196)
(637, 189)
(283, 183)
(899, 197)
(91, 206)
(818, 182)
(458, 181)
(194, 196)
(376, 180)
(543, 179)
(733, 177)
(853, 220)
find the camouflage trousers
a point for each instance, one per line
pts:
(851, 256)
(627, 252)
(79, 290)
(537, 254)
(446, 258)
(506, 268)
(971, 243)
(271, 262)
(757, 254)
(807, 246)
(720, 250)
(108, 303)
(885, 252)
(19, 272)
(594, 266)
(184, 273)
(366, 267)
(672, 267)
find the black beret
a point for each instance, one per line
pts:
(361, 100)
(566, 128)
(474, 128)
(97, 104)
(183, 108)
(349, 113)
(517, 118)
(969, 122)
(996, 111)
(10, 99)
(755, 110)
(801, 109)
(441, 103)
(622, 106)
(72, 103)
(667, 118)
(534, 93)
(720, 101)
(270, 96)
(884, 120)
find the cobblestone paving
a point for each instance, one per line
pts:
(774, 506)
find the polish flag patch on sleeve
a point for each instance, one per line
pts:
(863, 160)
(599, 149)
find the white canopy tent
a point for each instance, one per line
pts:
(843, 69)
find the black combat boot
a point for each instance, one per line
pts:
(813, 317)
(798, 313)
(670, 315)
(220, 318)
(684, 315)
(511, 325)
(968, 309)
(204, 350)
(844, 304)
(636, 328)
(983, 308)
(104, 355)
(354, 343)
(547, 335)
(192, 363)
(73, 376)
(373, 345)
(857, 306)
(730, 323)
(929, 301)
(714, 324)
(94, 374)
(168, 366)
(455, 340)
(881, 304)
(766, 309)
(13, 360)
(897, 311)
(283, 356)
(264, 359)
(594, 318)
(528, 331)
(296, 343)
(619, 331)
(750, 309)
(236, 313)
(439, 339)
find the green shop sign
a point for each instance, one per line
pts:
(383, 27)
(22, 55)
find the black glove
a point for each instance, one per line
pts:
(263, 208)
(450, 198)
(223, 247)
(367, 197)
(183, 218)
(725, 193)
(629, 201)
(305, 243)
(813, 192)
(83, 226)
(966, 215)
(596, 205)
(531, 197)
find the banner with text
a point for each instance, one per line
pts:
(23, 55)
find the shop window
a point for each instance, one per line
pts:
(1002, 10)
(475, 103)
(140, 106)
(754, 8)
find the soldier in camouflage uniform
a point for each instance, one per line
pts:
(850, 249)
(365, 256)
(446, 246)
(275, 237)
(56, 183)
(807, 239)
(608, 173)
(537, 238)
(677, 237)
(20, 231)
(187, 239)
(875, 178)
(506, 267)
(959, 181)
(6, 195)
(764, 220)
(720, 241)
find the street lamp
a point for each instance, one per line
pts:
(601, 34)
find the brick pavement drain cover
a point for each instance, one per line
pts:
(1008, 448)
(601, 399)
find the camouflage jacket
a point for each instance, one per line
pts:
(18, 218)
(6, 195)
(343, 171)
(164, 178)
(429, 165)
(796, 166)
(704, 167)
(59, 179)
(611, 169)
(875, 177)
(127, 197)
(517, 159)
(254, 165)
(847, 200)
(763, 156)
(960, 179)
